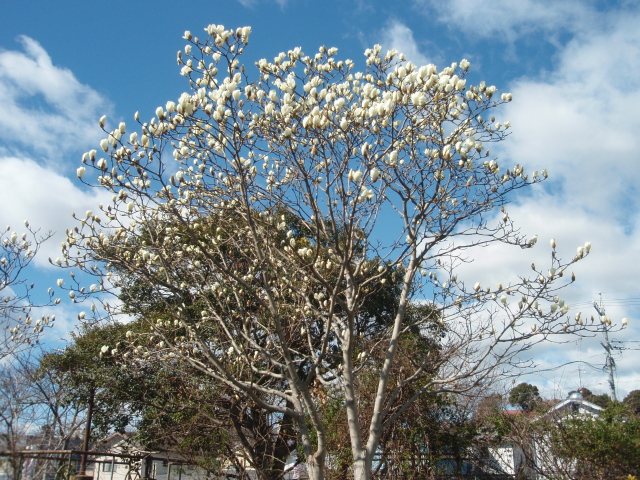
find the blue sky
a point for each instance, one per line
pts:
(572, 66)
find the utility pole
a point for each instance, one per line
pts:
(82, 473)
(610, 364)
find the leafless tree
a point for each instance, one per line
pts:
(293, 198)
(34, 411)
(18, 327)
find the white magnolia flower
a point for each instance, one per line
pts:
(553, 243)
(354, 176)
(625, 321)
(104, 349)
(587, 247)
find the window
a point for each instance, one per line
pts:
(106, 467)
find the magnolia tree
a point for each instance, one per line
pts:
(19, 329)
(260, 215)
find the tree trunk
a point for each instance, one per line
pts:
(360, 470)
(315, 468)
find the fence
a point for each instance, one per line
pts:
(63, 464)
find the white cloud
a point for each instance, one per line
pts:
(45, 198)
(45, 109)
(510, 20)
(253, 3)
(48, 118)
(580, 122)
(397, 35)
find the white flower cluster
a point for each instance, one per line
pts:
(265, 169)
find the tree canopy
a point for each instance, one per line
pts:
(295, 196)
(633, 401)
(602, 400)
(524, 395)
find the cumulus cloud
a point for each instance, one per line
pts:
(48, 119)
(45, 198)
(578, 121)
(510, 20)
(46, 110)
(397, 35)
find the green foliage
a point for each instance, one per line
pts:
(633, 401)
(602, 400)
(524, 395)
(434, 436)
(82, 371)
(607, 446)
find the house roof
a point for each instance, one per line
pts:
(576, 402)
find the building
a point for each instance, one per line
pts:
(528, 456)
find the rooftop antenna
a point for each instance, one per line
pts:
(610, 364)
